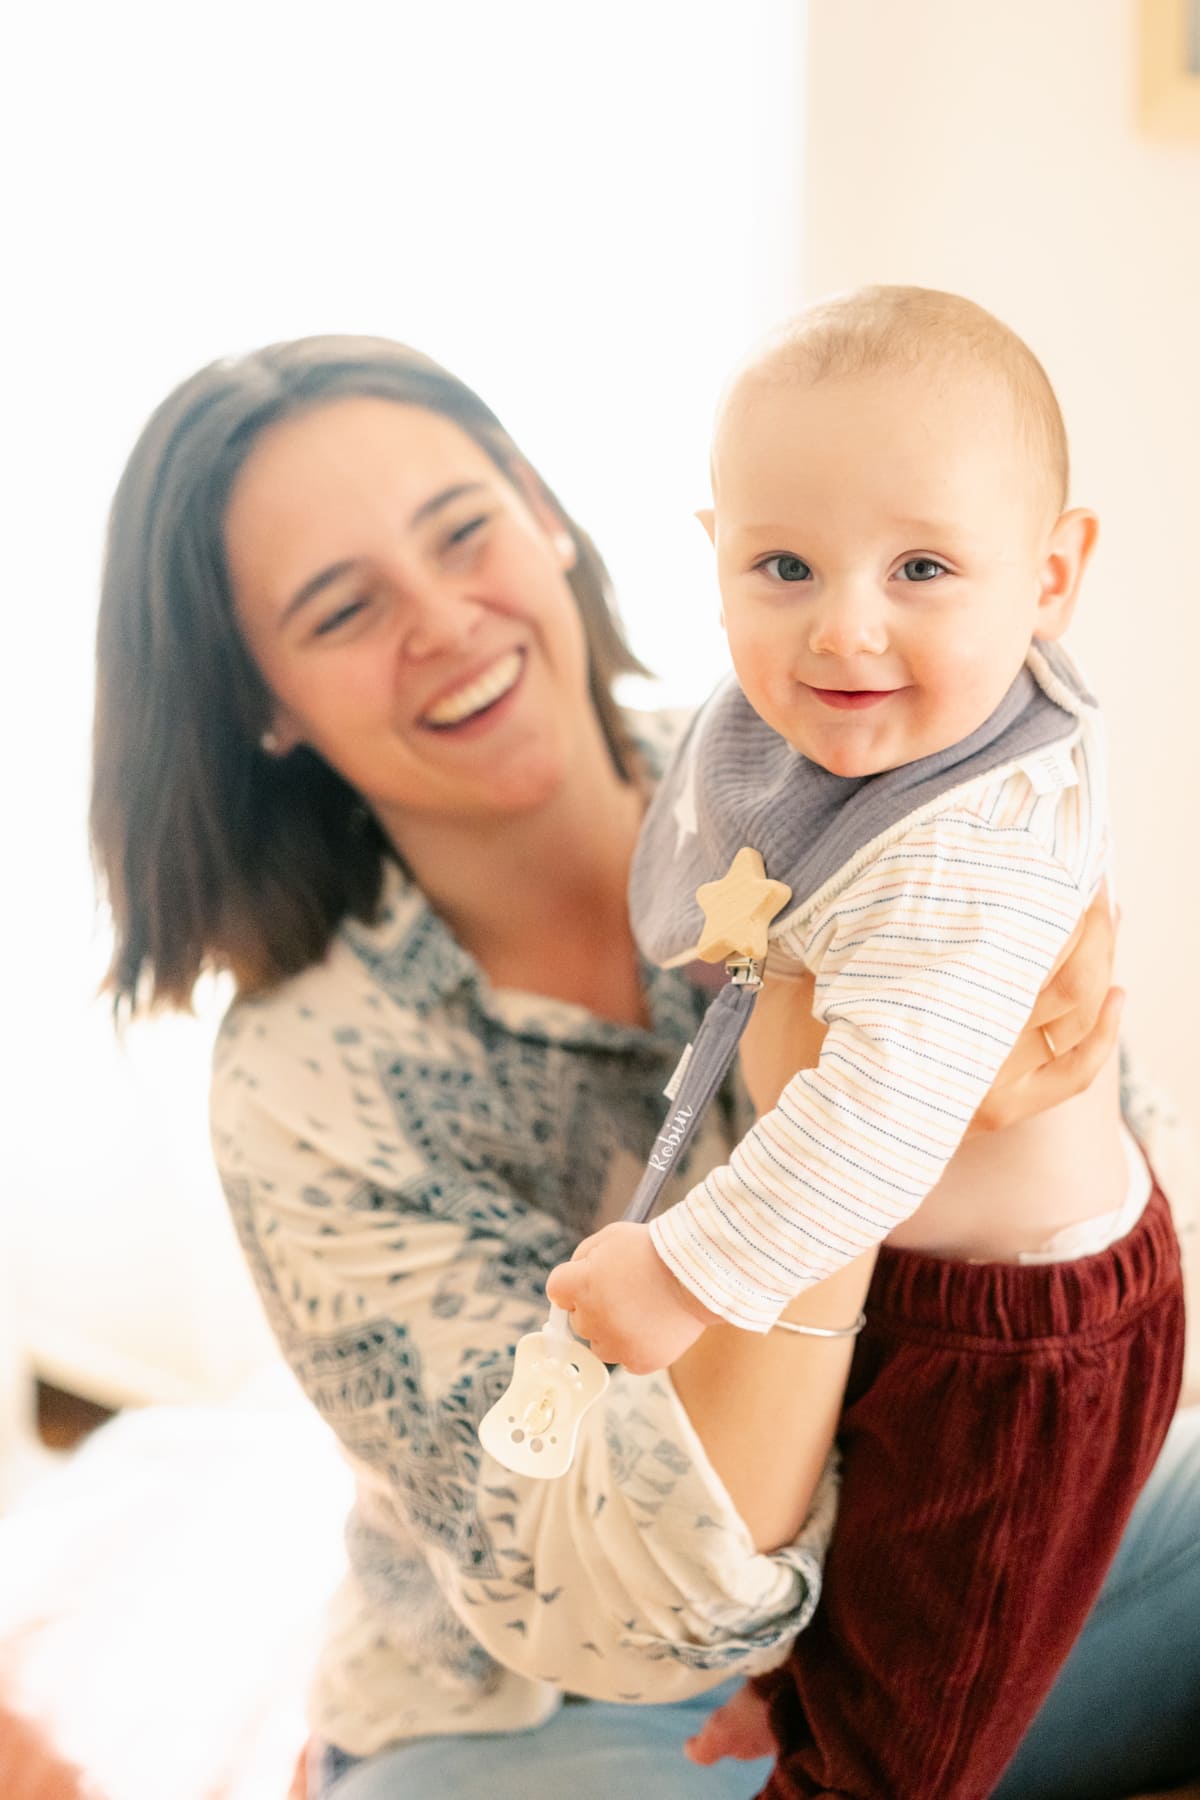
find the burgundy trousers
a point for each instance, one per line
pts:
(1000, 1422)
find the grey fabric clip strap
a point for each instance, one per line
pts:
(699, 1076)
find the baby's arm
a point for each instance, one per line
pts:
(625, 1301)
(1077, 1002)
(927, 967)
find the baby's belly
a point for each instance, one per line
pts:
(1008, 1191)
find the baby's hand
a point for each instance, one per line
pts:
(625, 1301)
(741, 1728)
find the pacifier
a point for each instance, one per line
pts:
(533, 1426)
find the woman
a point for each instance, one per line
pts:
(355, 743)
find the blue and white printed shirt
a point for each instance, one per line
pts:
(407, 1151)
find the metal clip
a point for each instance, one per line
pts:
(744, 971)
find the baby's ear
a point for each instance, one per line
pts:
(1068, 552)
(708, 519)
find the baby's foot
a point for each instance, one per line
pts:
(741, 1728)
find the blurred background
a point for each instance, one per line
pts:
(587, 212)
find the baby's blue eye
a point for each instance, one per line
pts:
(923, 568)
(788, 568)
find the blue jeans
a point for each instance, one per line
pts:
(1123, 1716)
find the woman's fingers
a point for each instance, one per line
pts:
(1073, 1070)
(1082, 976)
(1030, 1053)
(1031, 1080)
(1064, 1014)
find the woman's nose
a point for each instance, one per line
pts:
(438, 621)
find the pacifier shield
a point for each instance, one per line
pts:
(533, 1426)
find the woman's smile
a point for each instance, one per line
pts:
(477, 701)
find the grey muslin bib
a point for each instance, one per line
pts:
(735, 781)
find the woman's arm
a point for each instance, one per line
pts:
(766, 1407)
(397, 1294)
(738, 1387)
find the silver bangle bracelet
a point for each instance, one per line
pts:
(825, 1331)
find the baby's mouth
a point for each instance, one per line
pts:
(478, 696)
(853, 699)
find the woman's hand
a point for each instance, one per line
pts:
(1077, 1007)
(1071, 1032)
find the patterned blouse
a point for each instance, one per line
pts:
(407, 1151)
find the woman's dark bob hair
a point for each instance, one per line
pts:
(214, 856)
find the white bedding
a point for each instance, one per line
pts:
(161, 1595)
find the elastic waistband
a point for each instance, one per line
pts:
(1007, 1306)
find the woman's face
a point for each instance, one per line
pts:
(409, 609)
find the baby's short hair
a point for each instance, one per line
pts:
(877, 328)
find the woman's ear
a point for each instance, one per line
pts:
(1067, 554)
(282, 736)
(568, 552)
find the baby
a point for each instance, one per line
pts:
(908, 749)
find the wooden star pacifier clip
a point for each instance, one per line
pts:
(533, 1427)
(737, 910)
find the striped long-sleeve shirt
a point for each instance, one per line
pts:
(928, 950)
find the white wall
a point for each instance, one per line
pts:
(995, 150)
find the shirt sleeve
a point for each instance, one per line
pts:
(927, 965)
(398, 1307)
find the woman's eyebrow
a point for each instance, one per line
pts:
(324, 577)
(312, 587)
(433, 505)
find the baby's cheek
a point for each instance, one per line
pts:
(953, 697)
(963, 677)
(751, 658)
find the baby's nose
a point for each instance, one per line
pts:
(848, 626)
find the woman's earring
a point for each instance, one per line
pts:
(269, 743)
(564, 543)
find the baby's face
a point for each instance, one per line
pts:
(881, 545)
